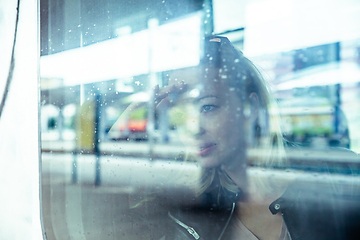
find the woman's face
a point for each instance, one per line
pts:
(210, 119)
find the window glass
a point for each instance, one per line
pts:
(200, 119)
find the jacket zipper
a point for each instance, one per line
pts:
(192, 230)
(189, 229)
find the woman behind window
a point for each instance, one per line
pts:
(226, 118)
(221, 112)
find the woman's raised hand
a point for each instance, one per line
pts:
(166, 95)
(162, 97)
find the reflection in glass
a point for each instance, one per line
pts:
(151, 129)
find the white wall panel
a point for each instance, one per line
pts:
(19, 162)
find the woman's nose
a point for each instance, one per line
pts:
(199, 132)
(195, 128)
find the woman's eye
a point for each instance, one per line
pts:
(207, 108)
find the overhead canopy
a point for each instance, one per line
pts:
(173, 45)
(281, 25)
(328, 74)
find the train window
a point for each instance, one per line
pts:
(200, 119)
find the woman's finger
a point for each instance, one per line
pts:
(165, 91)
(163, 104)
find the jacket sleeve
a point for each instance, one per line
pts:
(312, 211)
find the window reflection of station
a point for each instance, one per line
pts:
(314, 93)
(99, 56)
(105, 59)
(112, 55)
(313, 66)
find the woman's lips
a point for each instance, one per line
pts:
(206, 149)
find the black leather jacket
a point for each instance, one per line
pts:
(309, 212)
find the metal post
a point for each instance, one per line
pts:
(152, 26)
(97, 138)
(74, 167)
(337, 108)
(208, 18)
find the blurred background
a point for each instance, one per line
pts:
(99, 56)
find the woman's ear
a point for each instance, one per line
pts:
(254, 107)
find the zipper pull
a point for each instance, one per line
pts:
(193, 232)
